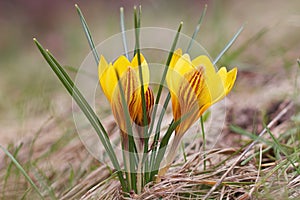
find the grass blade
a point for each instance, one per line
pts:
(156, 136)
(137, 26)
(244, 162)
(165, 74)
(154, 146)
(204, 142)
(122, 24)
(21, 169)
(279, 147)
(124, 153)
(42, 180)
(131, 142)
(88, 34)
(164, 142)
(8, 169)
(246, 44)
(252, 136)
(229, 44)
(183, 152)
(144, 159)
(197, 29)
(84, 106)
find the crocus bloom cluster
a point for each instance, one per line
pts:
(194, 86)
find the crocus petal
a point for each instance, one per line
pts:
(193, 98)
(149, 97)
(145, 69)
(231, 77)
(228, 79)
(183, 65)
(103, 65)
(107, 74)
(172, 74)
(121, 65)
(223, 74)
(176, 72)
(149, 100)
(102, 68)
(109, 81)
(135, 63)
(213, 81)
(130, 85)
(176, 55)
(204, 61)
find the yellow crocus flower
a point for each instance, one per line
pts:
(129, 77)
(195, 86)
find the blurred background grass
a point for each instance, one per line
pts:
(28, 88)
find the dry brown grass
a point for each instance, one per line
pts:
(56, 158)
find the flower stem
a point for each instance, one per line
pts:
(170, 157)
(204, 142)
(139, 174)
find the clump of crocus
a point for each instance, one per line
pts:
(194, 86)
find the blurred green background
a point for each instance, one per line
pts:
(29, 91)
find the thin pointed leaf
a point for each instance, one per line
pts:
(157, 133)
(229, 44)
(42, 180)
(279, 147)
(197, 29)
(137, 41)
(84, 106)
(137, 26)
(21, 169)
(8, 169)
(204, 142)
(165, 74)
(122, 24)
(246, 44)
(88, 35)
(131, 142)
(252, 136)
(164, 142)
